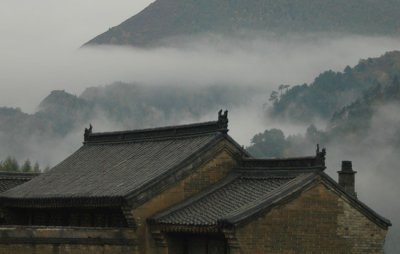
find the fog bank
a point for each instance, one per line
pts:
(259, 61)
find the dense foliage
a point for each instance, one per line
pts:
(10, 164)
(331, 91)
(355, 121)
(273, 143)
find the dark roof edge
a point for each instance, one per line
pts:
(291, 190)
(62, 202)
(185, 228)
(239, 147)
(293, 171)
(317, 161)
(17, 175)
(276, 196)
(363, 208)
(221, 125)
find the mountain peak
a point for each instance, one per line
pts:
(166, 19)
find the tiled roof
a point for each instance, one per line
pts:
(112, 166)
(10, 180)
(234, 194)
(256, 186)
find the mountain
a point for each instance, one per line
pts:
(331, 91)
(61, 116)
(380, 103)
(164, 19)
(373, 114)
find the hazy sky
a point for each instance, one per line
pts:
(34, 33)
(34, 25)
(40, 42)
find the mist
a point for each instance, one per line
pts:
(40, 52)
(261, 61)
(375, 158)
(41, 42)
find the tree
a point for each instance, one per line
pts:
(315, 136)
(26, 167)
(36, 168)
(347, 70)
(10, 164)
(271, 143)
(283, 87)
(274, 96)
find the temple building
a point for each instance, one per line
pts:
(188, 189)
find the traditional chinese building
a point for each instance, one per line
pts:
(187, 189)
(10, 180)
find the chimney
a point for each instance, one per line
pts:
(347, 178)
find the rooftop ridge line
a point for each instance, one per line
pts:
(317, 161)
(221, 125)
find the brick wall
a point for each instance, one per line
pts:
(64, 248)
(209, 173)
(54, 240)
(318, 221)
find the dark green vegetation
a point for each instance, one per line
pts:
(169, 18)
(331, 91)
(349, 101)
(274, 143)
(10, 164)
(356, 119)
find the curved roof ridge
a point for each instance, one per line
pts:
(307, 162)
(195, 129)
(17, 175)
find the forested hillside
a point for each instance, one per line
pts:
(331, 91)
(351, 123)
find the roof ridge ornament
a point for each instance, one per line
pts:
(223, 119)
(87, 132)
(320, 155)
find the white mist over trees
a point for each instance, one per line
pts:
(40, 53)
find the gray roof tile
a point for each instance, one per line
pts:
(10, 180)
(229, 197)
(111, 169)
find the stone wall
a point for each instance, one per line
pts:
(54, 240)
(318, 221)
(211, 172)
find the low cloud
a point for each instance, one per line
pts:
(258, 61)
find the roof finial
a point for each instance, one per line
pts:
(223, 119)
(321, 155)
(88, 131)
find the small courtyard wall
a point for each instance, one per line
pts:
(56, 240)
(318, 221)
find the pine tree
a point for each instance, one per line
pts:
(10, 164)
(36, 168)
(26, 167)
